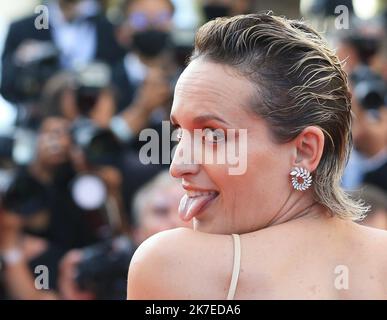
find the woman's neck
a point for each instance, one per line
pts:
(297, 206)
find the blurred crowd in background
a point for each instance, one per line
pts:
(74, 195)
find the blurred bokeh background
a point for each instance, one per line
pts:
(80, 79)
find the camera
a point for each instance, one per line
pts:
(99, 145)
(90, 80)
(39, 63)
(104, 267)
(369, 88)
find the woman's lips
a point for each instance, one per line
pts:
(193, 202)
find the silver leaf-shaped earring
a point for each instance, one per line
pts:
(301, 174)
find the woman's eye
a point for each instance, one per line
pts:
(213, 135)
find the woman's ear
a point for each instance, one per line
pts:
(309, 146)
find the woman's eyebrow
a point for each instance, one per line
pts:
(202, 118)
(208, 117)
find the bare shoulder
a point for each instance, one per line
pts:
(151, 262)
(376, 238)
(372, 254)
(176, 264)
(374, 241)
(162, 243)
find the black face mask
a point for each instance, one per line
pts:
(212, 11)
(151, 43)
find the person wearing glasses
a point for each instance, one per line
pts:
(144, 81)
(146, 33)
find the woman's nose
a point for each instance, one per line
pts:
(182, 162)
(178, 170)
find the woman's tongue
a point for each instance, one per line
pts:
(191, 206)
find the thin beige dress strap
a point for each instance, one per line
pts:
(236, 267)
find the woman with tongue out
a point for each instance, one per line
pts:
(280, 227)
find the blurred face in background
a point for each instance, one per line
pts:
(148, 26)
(144, 14)
(369, 133)
(160, 212)
(70, 8)
(54, 142)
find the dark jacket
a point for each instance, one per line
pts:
(107, 49)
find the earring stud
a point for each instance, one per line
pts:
(301, 178)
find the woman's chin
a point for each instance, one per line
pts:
(210, 223)
(213, 227)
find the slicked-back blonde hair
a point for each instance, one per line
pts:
(299, 82)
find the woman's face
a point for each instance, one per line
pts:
(210, 96)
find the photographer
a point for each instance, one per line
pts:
(145, 81)
(147, 34)
(368, 160)
(99, 272)
(17, 280)
(86, 98)
(48, 222)
(77, 33)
